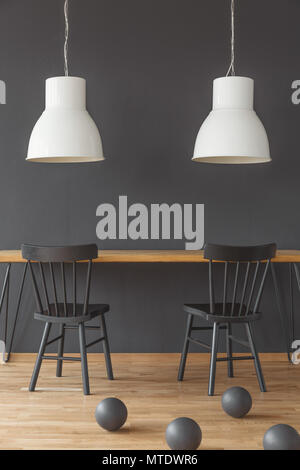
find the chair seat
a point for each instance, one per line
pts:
(203, 310)
(94, 310)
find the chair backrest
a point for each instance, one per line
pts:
(245, 270)
(54, 284)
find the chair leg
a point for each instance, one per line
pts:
(84, 364)
(258, 369)
(106, 349)
(60, 350)
(213, 359)
(39, 359)
(185, 347)
(229, 350)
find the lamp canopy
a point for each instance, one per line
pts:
(232, 133)
(65, 132)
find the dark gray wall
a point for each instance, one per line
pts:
(149, 66)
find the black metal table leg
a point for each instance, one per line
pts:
(6, 307)
(295, 266)
(6, 279)
(17, 313)
(292, 333)
(4, 295)
(280, 310)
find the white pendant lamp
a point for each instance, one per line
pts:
(232, 133)
(65, 132)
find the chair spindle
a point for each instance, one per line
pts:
(244, 288)
(235, 287)
(44, 288)
(211, 288)
(74, 288)
(87, 291)
(54, 288)
(225, 287)
(63, 278)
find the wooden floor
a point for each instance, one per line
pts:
(62, 418)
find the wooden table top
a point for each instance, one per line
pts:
(152, 256)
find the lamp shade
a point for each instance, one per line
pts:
(232, 132)
(65, 132)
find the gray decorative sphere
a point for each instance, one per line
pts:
(111, 414)
(281, 437)
(236, 402)
(183, 434)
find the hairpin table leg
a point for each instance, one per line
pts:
(4, 295)
(296, 269)
(2, 351)
(17, 312)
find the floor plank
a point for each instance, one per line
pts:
(60, 417)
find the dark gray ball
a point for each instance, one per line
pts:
(183, 434)
(236, 402)
(111, 414)
(281, 437)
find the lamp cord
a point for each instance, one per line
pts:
(231, 69)
(66, 11)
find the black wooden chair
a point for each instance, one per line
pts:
(50, 264)
(247, 266)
